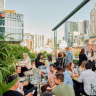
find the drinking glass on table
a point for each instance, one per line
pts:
(48, 89)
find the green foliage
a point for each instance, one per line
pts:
(17, 50)
(44, 54)
(76, 61)
(76, 54)
(7, 63)
(5, 87)
(9, 54)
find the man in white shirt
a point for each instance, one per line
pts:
(88, 77)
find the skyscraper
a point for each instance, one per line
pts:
(2, 5)
(93, 22)
(86, 27)
(83, 27)
(69, 27)
(80, 27)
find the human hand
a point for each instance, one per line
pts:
(20, 86)
(42, 71)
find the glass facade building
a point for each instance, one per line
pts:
(69, 28)
(11, 24)
(2, 5)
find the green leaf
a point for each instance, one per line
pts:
(4, 88)
(1, 77)
(2, 53)
(4, 69)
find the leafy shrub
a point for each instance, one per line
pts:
(76, 54)
(18, 50)
(7, 64)
(76, 61)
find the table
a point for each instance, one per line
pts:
(34, 77)
(39, 84)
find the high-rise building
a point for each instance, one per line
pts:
(33, 41)
(43, 41)
(50, 43)
(28, 41)
(83, 27)
(2, 5)
(92, 39)
(11, 24)
(69, 27)
(93, 22)
(86, 27)
(80, 27)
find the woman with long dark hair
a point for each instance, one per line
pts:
(82, 56)
(60, 60)
(39, 61)
(91, 59)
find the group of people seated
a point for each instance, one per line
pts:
(83, 85)
(60, 74)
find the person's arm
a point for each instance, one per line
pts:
(25, 83)
(81, 78)
(53, 87)
(85, 57)
(29, 94)
(20, 89)
(80, 70)
(43, 63)
(73, 75)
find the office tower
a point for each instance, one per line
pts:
(2, 5)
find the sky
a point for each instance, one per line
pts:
(41, 16)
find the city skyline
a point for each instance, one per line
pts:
(42, 16)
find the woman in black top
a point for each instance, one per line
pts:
(39, 62)
(60, 60)
(82, 56)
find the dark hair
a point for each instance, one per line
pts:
(17, 66)
(53, 65)
(59, 69)
(60, 54)
(64, 54)
(47, 94)
(88, 65)
(92, 53)
(60, 76)
(82, 51)
(38, 57)
(12, 77)
(49, 58)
